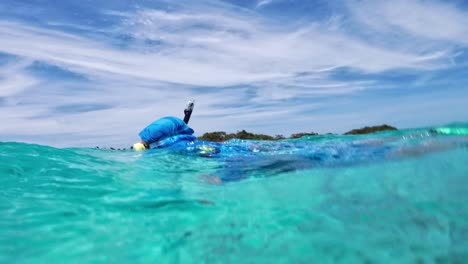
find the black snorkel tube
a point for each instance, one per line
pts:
(188, 110)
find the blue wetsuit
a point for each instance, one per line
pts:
(163, 128)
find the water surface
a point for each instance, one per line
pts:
(393, 197)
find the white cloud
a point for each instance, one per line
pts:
(263, 3)
(246, 44)
(210, 49)
(432, 20)
(97, 60)
(13, 78)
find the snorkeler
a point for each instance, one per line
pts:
(165, 127)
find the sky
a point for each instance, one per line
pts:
(96, 72)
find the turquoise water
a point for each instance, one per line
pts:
(394, 197)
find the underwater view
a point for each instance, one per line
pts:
(390, 197)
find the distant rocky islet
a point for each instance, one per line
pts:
(220, 136)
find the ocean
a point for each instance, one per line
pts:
(391, 197)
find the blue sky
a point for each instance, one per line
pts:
(86, 73)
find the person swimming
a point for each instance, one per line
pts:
(164, 128)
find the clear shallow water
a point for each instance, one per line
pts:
(396, 197)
